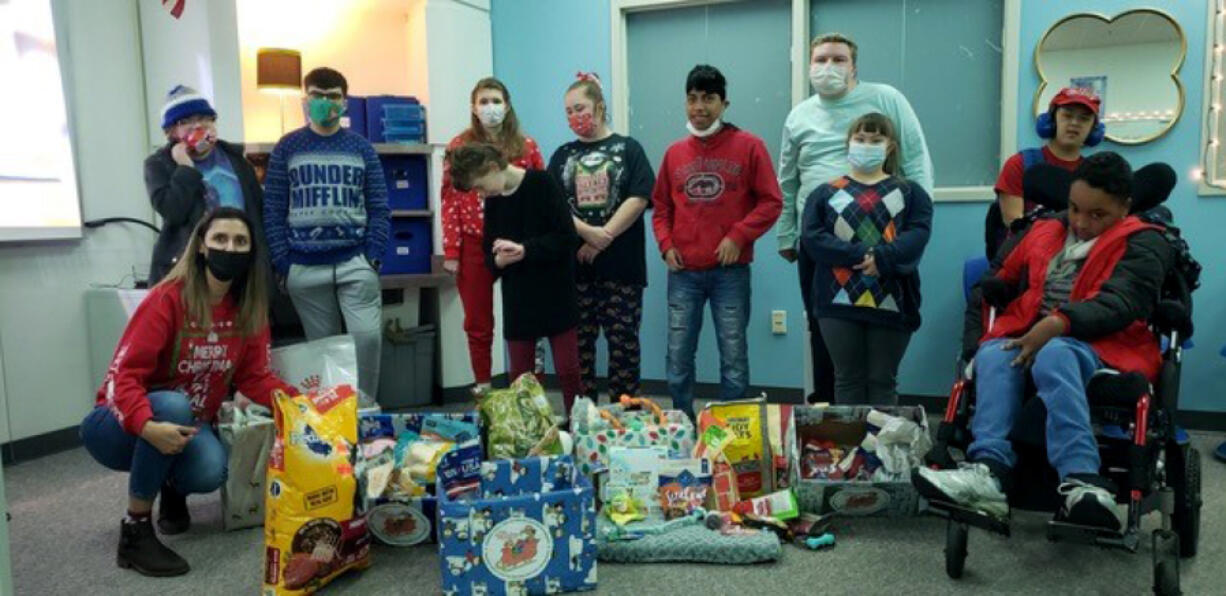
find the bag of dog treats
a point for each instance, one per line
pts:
(314, 530)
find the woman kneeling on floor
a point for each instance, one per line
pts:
(199, 331)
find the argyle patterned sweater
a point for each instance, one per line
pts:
(843, 221)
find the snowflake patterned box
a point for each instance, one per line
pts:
(528, 529)
(409, 521)
(596, 430)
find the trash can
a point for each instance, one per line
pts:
(406, 371)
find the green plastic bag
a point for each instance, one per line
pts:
(517, 419)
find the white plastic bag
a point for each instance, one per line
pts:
(248, 436)
(327, 362)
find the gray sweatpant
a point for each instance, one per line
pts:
(866, 359)
(324, 295)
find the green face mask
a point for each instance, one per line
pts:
(325, 112)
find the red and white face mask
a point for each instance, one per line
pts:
(199, 138)
(583, 124)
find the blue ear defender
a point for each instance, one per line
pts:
(1097, 134)
(1045, 127)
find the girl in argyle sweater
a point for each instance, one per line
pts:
(867, 231)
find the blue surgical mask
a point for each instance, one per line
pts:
(864, 157)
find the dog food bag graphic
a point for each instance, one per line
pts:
(312, 532)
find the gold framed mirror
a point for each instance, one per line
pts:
(1131, 60)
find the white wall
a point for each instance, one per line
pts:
(460, 53)
(43, 340)
(200, 50)
(366, 40)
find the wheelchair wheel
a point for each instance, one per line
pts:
(955, 549)
(1166, 563)
(1187, 504)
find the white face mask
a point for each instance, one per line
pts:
(829, 79)
(491, 114)
(702, 134)
(864, 157)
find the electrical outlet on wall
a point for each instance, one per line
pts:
(779, 322)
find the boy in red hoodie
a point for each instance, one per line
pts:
(716, 193)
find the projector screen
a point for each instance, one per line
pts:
(38, 184)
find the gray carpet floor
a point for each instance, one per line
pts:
(66, 511)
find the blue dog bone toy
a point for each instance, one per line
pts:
(819, 542)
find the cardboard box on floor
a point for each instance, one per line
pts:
(847, 425)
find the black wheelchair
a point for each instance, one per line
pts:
(1143, 452)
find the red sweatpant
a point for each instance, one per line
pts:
(476, 286)
(565, 349)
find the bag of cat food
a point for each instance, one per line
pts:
(748, 449)
(314, 529)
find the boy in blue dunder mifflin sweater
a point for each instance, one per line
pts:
(326, 219)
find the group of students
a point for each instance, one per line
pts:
(852, 215)
(850, 204)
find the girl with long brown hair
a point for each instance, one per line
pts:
(202, 330)
(494, 123)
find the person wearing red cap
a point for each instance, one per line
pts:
(1070, 123)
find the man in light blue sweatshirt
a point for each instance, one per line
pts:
(814, 151)
(326, 218)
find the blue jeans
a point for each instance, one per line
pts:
(1061, 370)
(688, 291)
(199, 468)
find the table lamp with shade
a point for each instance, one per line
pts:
(279, 71)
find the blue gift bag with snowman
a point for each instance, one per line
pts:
(527, 529)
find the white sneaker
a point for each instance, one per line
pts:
(971, 485)
(1087, 504)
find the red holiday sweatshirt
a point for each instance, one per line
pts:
(160, 351)
(712, 188)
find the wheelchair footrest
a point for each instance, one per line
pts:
(1090, 535)
(971, 517)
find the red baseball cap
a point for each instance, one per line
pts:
(1076, 95)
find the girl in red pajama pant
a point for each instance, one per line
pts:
(494, 122)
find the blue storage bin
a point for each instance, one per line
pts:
(376, 111)
(414, 521)
(355, 114)
(528, 529)
(404, 111)
(407, 186)
(408, 246)
(412, 130)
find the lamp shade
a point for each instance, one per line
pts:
(278, 70)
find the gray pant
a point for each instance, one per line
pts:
(324, 294)
(866, 359)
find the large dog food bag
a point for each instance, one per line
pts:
(313, 531)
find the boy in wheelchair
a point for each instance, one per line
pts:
(1075, 293)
